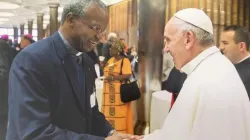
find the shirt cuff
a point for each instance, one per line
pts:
(111, 132)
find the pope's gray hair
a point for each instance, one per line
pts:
(205, 38)
(79, 7)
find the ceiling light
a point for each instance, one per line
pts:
(4, 19)
(6, 5)
(6, 14)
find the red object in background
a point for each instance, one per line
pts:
(172, 101)
(126, 48)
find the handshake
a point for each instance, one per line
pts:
(122, 136)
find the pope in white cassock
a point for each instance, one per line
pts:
(213, 103)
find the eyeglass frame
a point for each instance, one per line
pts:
(94, 28)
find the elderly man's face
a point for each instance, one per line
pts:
(174, 43)
(86, 31)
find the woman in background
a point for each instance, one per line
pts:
(116, 112)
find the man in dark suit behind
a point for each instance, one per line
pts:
(106, 47)
(6, 57)
(174, 82)
(235, 45)
(52, 91)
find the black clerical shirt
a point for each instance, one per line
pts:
(243, 69)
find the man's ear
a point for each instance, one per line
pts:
(70, 20)
(190, 39)
(242, 46)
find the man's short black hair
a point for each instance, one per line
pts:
(241, 34)
(79, 8)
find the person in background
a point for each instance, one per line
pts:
(174, 82)
(5, 63)
(132, 53)
(167, 65)
(102, 41)
(52, 82)
(106, 48)
(213, 103)
(97, 52)
(5, 38)
(26, 40)
(117, 69)
(133, 58)
(10, 43)
(126, 46)
(235, 45)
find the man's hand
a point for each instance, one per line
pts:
(122, 136)
(114, 137)
(109, 78)
(139, 137)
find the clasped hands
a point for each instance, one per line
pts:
(122, 136)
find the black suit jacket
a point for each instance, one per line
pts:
(93, 56)
(6, 57)
(106, 51)
(45, 99)
(243, 69)
(174, 82)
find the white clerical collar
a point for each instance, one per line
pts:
(244, 59)
(190, 66)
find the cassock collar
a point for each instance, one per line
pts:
(244, 59)
(190, 66)
(70, 48)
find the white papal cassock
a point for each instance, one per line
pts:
(212, 105)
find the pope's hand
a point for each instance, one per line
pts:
(114, 137)
(139, 137)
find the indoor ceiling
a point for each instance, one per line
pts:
(15, 12)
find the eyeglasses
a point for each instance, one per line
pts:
(94, 27)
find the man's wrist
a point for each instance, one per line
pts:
(111, 132)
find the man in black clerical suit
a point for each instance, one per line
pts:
(235, 45)
(6, 57)
(52, 82)
(174, 82)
